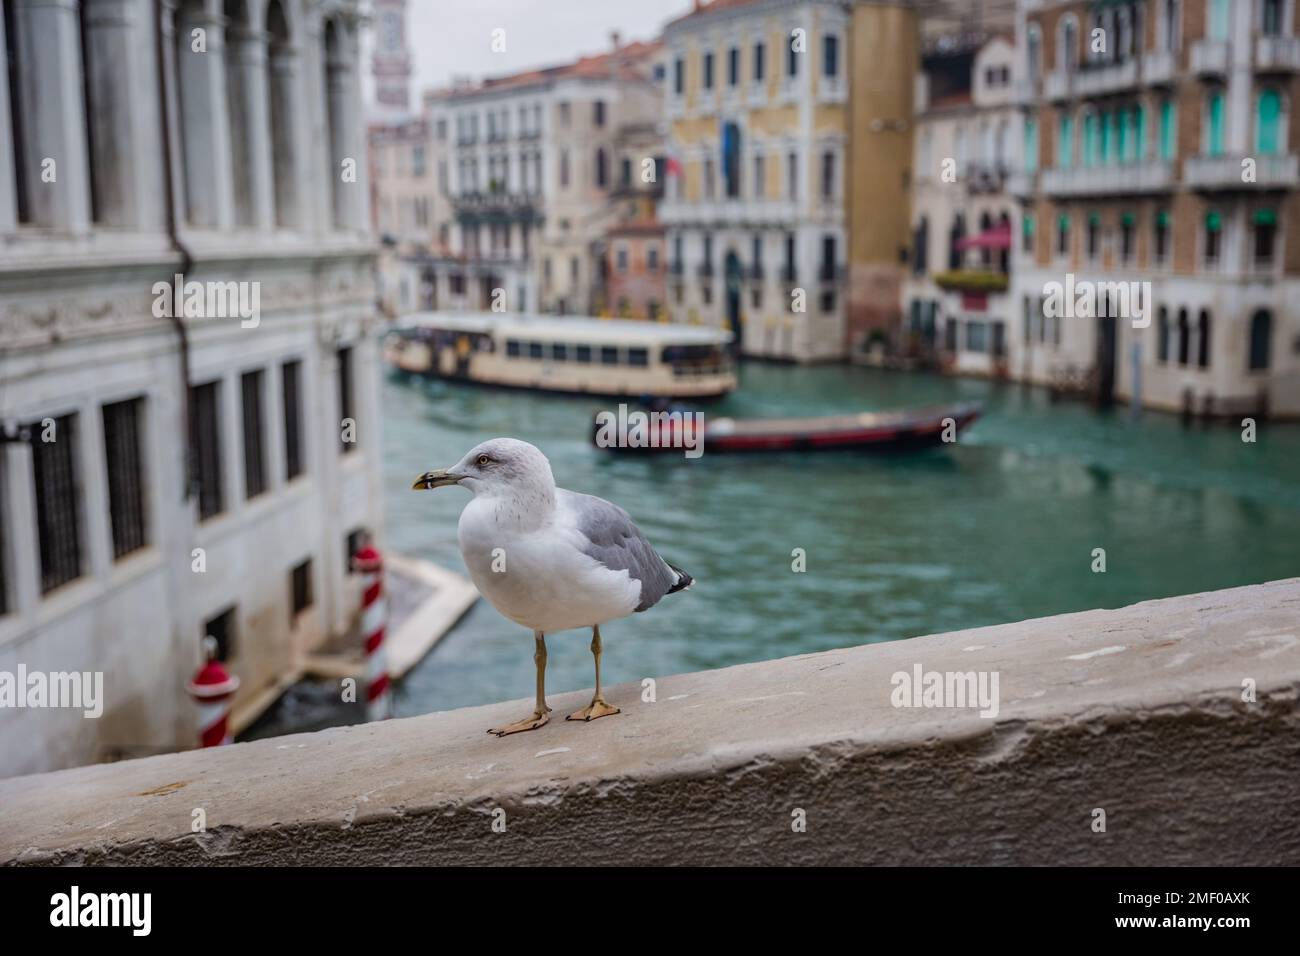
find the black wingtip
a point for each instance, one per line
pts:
(684, 580)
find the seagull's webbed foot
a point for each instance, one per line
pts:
(597, 708)
(539, 719)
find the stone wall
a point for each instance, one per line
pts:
(1143, 713)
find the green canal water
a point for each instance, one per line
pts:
(999, 527)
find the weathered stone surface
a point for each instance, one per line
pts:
(1138, 711)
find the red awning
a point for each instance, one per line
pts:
(999, 237)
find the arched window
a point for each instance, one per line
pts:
(1268, 123)
(986, 223)
(1034, 54)
(1203, 339)
(1261, 340)
(955, 235)
(337, 69)
(1162, 336)
(1068, 51)
(920, 240)
(242, 90)
(731, 160)
(281, 82)
(1004, 255)
(1270, 19)
(1184, 337)
(1172, 26)
(204, 121)
(602, 168)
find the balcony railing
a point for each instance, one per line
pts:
(1021, 182)
(1158, 67)
(1210, 57)
(1118, 180)
(676, 269)
(1277, 54)
(705, 270)
(497, 205)
(741, 211)
(985, 177)
(1100, 79)
(1228, 172)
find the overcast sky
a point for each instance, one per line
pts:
(450, 37)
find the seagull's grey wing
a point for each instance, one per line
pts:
(619, 545)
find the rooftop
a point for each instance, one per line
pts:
(572, 328)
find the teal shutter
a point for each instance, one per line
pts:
(1139, 134)
(1219, 19)
(1031, 145)
(1066, 157)
(1089, 139)
(1268, 114)
(1215, 146)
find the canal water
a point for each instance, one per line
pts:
(999, 527)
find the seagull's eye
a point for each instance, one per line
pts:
(483, 459)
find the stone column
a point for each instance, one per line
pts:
(250, 131)
(8, 175)
(54, 114)
(338, 79)
(205, 120)
(287, 109)
(123, 111)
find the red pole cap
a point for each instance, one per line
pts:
(212, 679)
(367, 559)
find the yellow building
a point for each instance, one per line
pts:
(789, 146)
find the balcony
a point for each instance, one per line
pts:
(705, 270)
(676, 269)
(755, 273)
(1103, 78)
(721, 212)
(1021, 183)
(986, 177)
(1056, 85)
(497, 207)
(1154, 176)
(1210, 57)
(1158, 67)
(972, 280)
(1226, 172)
(1277, 54)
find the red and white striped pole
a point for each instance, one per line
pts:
(212, 689)
(374, 618)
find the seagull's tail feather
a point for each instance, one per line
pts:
(683, 581)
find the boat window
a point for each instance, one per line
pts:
(639, 357)
(582, 353)
(535, 350)
(512, 348)
(560, 352)
(608, 355)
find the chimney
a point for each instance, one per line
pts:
(614, 39)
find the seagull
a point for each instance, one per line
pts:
(550, 559)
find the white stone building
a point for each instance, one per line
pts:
(958, 311)
(161, 478)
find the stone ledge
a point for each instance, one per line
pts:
(1138, 711)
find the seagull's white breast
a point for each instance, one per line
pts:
(540, 578)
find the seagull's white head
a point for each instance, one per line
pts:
(499, 467)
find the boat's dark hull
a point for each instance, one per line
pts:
(892, 432)
(570, 393)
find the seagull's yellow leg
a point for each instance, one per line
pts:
(597, 707)
(541, 711)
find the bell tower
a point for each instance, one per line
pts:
(391, 63)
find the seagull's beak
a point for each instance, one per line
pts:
(435, 479)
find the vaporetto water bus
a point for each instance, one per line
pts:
(573, 355)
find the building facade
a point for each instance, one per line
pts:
(518, 180)
(1160, 147)
(957, 305)
(193, 456)
(765, 100)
